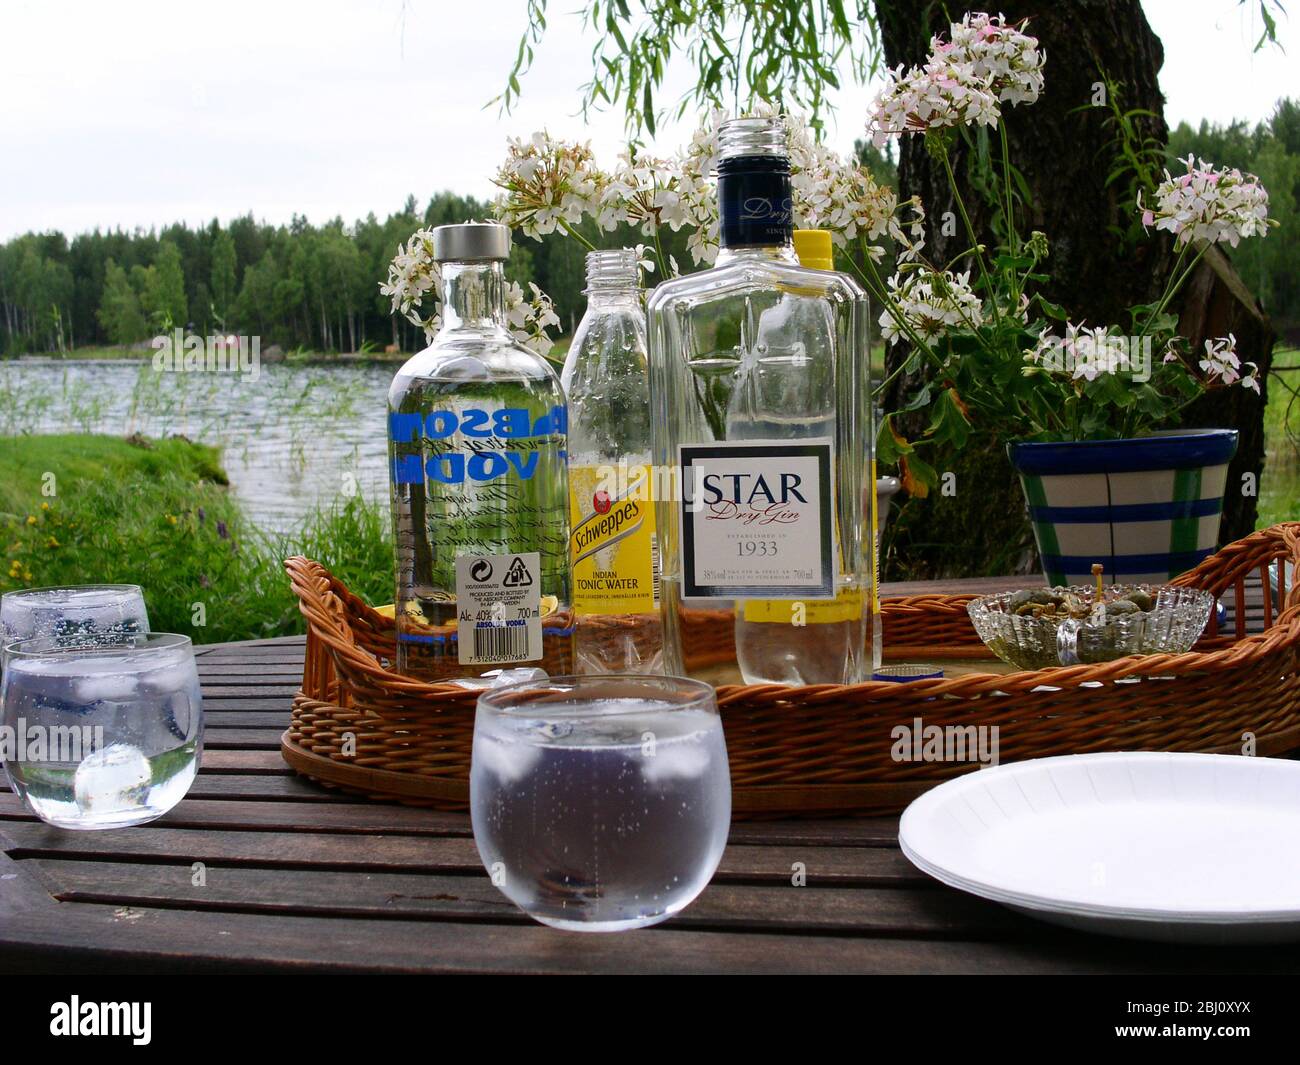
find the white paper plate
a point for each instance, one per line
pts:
(1190, 847)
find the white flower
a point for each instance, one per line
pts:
(547, 183)
(412, 275)
(1083, 353)
(415, 278)
(1006, 58)
(1221, 360)
(838, 195)
(645, 260)
(529, 318)
(1221, 364)
(963, 81)
(1209, 204)
(940, 94)
(642, 192)
(931, 303)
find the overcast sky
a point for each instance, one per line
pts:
(139, 113)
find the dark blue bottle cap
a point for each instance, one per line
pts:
(908, 671)
(755, 204)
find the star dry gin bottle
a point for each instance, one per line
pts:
(476, 431)
(614, 551)
(760, 381)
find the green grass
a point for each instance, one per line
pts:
(1279, 489)
(158, 514)
(31, 467)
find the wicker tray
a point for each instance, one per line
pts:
(825, 750)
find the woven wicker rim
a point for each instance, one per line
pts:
(328, 606)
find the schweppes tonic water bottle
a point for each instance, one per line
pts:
(613, 547)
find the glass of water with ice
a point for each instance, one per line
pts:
(75, 613)
(600, 803)
(101, 735)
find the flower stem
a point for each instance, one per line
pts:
(1174, 285)
(659, 252)
(564, 224)
(970, 233)
(877, 287)
(1012, 236)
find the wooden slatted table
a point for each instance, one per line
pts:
(259, 870)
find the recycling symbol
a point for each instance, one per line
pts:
(517, 576)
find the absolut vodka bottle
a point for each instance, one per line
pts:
(760, 380)
(614, 550)
(476, 431)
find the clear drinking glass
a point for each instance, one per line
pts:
(101, 735)
(76, 613)
(600, 803)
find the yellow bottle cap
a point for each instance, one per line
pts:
(814, 249)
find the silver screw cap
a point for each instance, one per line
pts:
(471, 242)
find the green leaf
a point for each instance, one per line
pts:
(921, 398)
(918, 476)
(1053, 310)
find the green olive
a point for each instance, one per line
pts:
(1142, 600)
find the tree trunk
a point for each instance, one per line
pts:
(1066, 152)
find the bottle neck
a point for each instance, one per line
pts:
(613, 279)
(773, 252)
(613, 297)
(473, 295)
(755, 207)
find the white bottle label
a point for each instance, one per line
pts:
(758, 519)
(498, 608)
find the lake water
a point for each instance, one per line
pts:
(298, 437)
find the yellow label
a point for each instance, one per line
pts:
(846, 606)
(613, 544)
(875, 540)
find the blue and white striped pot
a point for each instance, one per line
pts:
(1147, 508)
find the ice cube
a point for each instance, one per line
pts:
(116, 777)
(675, 759)
(104, 687)
(175, 677)
(509, 759)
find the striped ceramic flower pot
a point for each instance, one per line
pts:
(1147, 508)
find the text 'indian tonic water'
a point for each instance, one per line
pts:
(614, 549)
(761, 386)
(477, 448)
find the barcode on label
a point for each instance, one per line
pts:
(501, 644)
(654, 566)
